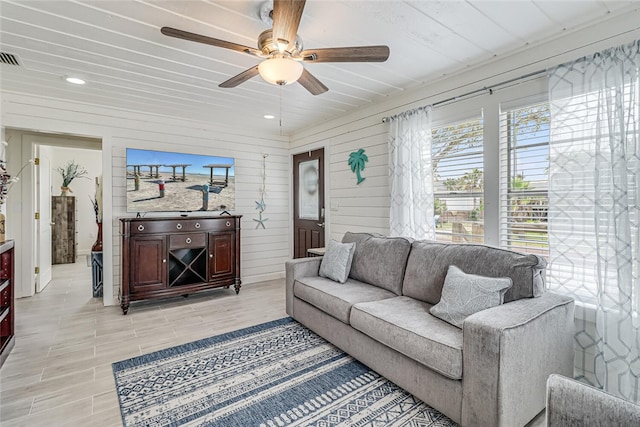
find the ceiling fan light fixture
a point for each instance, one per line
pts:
(280, 71)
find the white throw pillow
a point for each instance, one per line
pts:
(464, 294)
(336, 262)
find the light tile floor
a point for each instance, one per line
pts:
(59, 372)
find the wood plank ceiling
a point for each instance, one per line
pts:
(116, 46)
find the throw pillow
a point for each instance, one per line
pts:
(336, 262)
(464, 294)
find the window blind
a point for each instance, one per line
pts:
(457, 159)
(524, 179)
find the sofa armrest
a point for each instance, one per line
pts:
(509, 351)
(295, 269)
(571, 403)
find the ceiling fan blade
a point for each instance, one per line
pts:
(186, 35)
(347, 54)
(286, 19)
(312, 84)
(240, 78)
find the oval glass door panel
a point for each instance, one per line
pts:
(308, 190)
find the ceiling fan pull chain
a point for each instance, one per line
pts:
(280, 110)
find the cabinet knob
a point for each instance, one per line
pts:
(164, 260)
(197, 225)
(188, 240)
(179, 226)
(210, 255)
(141, 227)
(228, 223)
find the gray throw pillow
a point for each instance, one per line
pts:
(336, 262)
(464, 294)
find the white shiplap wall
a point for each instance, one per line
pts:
(263, 251)
(365, 207)
(351, 206)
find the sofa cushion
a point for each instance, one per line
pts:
(334, 298)
(405, 325)
(379, 261)
(336, 262)
(465, 294)
(429, 261)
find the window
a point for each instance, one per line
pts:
(524, 176)
(595, 197)
(457, 159)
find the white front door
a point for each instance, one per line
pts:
(43, 225)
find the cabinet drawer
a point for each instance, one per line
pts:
(187, 240)
(5, 323)
(219, 224)
(150, 227)
(182, 225)
(5, 294)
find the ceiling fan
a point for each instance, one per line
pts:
(282, 51)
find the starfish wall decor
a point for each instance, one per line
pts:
(260, 205)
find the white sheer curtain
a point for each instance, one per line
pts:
(594, 211)
(410, 170)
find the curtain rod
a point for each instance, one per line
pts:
(466, 95)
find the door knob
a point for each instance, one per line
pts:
(321, 224)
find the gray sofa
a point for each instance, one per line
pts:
(492, 372)
(574, 404)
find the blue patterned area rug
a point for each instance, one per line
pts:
(275, 374)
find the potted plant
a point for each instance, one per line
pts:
(69, 172)
(97, 208)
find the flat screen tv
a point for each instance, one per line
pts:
(160, 181)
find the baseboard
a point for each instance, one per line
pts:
(114, 301)
(245, 281)
(262, 277)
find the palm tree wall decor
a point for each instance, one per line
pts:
(357, 159)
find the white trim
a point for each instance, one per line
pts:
(263, 277)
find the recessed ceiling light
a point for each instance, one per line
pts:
(75, 80)
(269, 116)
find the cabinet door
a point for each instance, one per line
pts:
(148, 263)
(222, 247)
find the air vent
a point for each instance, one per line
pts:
(9, 59)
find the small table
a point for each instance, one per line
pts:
(151, 170)
(312, 252)
(96, 273)
(226, 167)
(184, 168)
(136, 169)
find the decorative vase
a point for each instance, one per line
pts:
(65, 191)
(97, 246)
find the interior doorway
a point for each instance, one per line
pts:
(79, 231)
(308, 202)
(29, 210)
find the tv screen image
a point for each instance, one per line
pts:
(161, 181)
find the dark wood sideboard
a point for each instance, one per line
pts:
(7, 298)
(164, 257)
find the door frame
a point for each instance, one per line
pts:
(43, 239)
(21, 150)
(327, 192)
